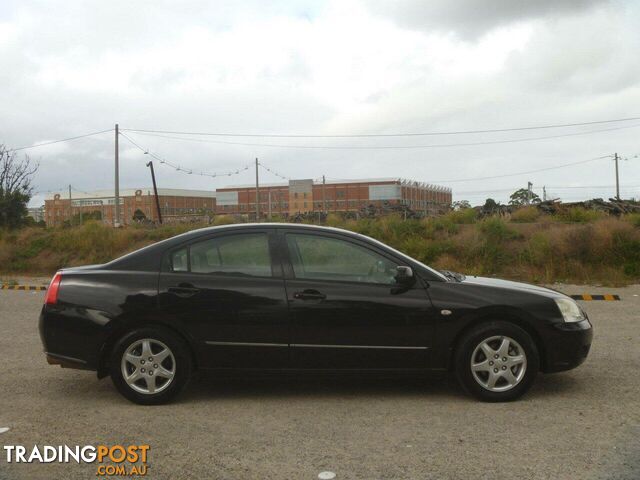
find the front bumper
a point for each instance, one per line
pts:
(568, 345)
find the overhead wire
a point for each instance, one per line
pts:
(370, 135)
(522, 173)
(60, 141)
(383, 147)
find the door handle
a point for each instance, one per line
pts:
(309, 295)
(185, 291)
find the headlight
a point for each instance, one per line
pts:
(570, 310)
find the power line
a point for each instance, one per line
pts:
(180, 168)
(383, 147)
(368, 135)
(60, 141)
(522, 173)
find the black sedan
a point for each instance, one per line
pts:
(300, 298)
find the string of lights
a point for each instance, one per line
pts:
(268, 169)
(180, 168)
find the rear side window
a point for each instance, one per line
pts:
(243, 254)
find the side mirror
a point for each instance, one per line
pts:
(404, 276)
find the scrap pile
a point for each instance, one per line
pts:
(612, 207)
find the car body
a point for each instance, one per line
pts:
(299, 298)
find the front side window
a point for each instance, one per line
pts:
(179, 260)
(327, 258)
(245, 254)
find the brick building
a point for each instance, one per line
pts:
(175, 205)
(301, 196)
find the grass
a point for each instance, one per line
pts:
(578, 247)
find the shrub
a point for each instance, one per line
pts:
(580, 215)
(464, 216)
(633, 219)
(525, 215)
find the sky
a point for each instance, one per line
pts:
(319, 68)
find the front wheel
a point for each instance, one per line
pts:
(150, 366)
(497, 361)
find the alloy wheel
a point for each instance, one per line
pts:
(498, 363)
(148, 366)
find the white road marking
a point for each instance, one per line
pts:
(4, 429)
(326, 475)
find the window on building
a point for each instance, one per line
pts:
(339, 193)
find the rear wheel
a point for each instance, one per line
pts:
(150, 366)
(497, 361)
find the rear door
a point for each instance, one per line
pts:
(227, 291)
(346, 310)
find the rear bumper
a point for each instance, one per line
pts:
(68, 340)
(66, 362)
(568, 345)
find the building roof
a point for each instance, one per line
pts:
(318, 182)
(130, 192)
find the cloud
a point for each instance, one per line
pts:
(471, 18)
(321, 68)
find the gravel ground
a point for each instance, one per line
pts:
(582, 424)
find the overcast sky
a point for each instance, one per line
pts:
(325, 68)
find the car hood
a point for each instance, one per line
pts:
(509, 285)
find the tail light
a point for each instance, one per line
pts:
(52, 292)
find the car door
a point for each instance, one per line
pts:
(346, 309)
(227, 292)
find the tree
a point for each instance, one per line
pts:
(15, 187)
(139, 215)
(521, 197)
(490, 204)
(461, 205)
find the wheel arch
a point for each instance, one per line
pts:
(122, 328)
(505, 314)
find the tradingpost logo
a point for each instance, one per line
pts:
(111, 460)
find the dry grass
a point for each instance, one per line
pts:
(581, 248)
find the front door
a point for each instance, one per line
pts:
(228, 293)
(346, 310)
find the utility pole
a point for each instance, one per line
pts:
(155, 191)
(269, 210)
(529, 186)
(116, 207)
(70, 208)
(324, 197)
(257, 194)
(615, 158)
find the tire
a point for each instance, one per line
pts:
(155, 381)
(493, 379)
